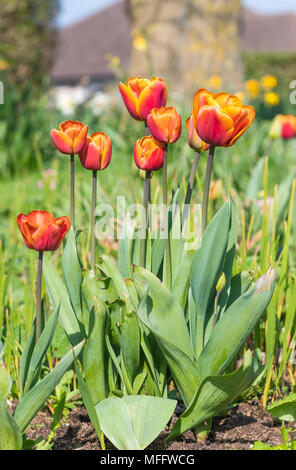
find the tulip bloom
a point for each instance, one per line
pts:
(141, 95)
(97, 152)
(148, 154)
(41, 231)
(220, 120)
(165, 124)
(194, 141)
(70, 138)
(288, 126)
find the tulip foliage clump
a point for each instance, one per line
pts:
(167, 320)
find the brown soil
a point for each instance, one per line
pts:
(243, 425)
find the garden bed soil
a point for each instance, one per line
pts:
(238, 430)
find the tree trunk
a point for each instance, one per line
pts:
(190, 43)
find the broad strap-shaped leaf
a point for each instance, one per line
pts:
(162, 315)
(214, 395)
(227, 270)
(58, 295)
(41, 347)
(94, 353)
(239, 284)
(26, 356)
(112, 271)
(35, 398)
(10, 434)
(235, 326)
(255, 183)
(206, 268)
(88, 402)
(285, 409)
(139, 419)
(72, 273)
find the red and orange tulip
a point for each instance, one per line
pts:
(70, 138)
(96, 155)
(148, 154)
(288, 126)
(194, 141)
(141, 95)
(221, 119)
(41, 231)
(165, 124)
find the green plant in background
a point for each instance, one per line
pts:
(289, 443)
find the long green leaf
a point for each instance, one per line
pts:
(206, 269)
(42, 346)
(58, 295)
(88, 403)
(235, 326)
(139, 419)
(214, 395)
(35, 398)
(72, 273)
(162, 315)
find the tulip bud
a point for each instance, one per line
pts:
(220, 119)
(165, 124)
(221, 283)
(194, 141)
(41, 231)
(275, 128)
(97, 152)
(148, 154)
(70, 138)
(288, 124)
(141, 95)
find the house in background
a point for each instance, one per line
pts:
(82, 69)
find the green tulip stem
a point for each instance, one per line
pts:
(148, 175)
(165, 203)
(93, 219)
(72, 197)
(205, 200)
(216, 309)
(190, 187)
(38, 296)
(147, 133)
(269, 147)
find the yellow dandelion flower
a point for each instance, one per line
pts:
(271, 98)
(215, 82)
(253, 88)
(269, 82)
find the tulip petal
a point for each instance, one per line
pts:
(106, 156)
(130, 101)
(46, 238)
(24, 229)
(64, 224)
(62, 142)
(38, 218)
(80, 140)
(213, 126)
(153, 96)
(224, 100)
(243, 124)
(201, 98)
